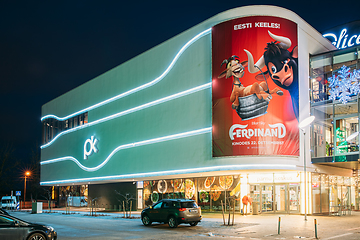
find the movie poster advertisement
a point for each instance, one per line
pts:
(255, 89)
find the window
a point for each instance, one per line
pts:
(5, 220)
(157, 206)
(76, 121)
(320, 72)
(166, 205)
(343, 129)
(189, 205)
(52, 127)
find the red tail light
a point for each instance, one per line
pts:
(182, 209)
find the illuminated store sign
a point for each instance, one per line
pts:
(344, 36)
(293, 177)
(92, 142)
(343, 40)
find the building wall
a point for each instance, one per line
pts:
(153, 115)
(113, 196)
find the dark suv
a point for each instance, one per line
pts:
(173, 212)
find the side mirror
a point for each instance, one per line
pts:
(15, 223)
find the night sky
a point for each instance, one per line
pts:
(50, 47)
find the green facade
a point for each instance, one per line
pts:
(188, 112)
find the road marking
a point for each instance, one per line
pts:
(338, 236)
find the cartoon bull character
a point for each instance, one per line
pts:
(236, 69)
(282, 67)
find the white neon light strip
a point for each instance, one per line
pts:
(127, 146)
(174, 172)
(134, 90)
(131, 110)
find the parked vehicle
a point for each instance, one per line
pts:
(12, 228)
(173, 212)
(8, 202)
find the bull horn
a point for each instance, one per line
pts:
(253, 68)
(285, 42)
(224, 62)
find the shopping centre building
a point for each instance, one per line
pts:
(213, 115)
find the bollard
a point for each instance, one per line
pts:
(315, 229)
(279, 225)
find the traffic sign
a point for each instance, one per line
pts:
(18, 193)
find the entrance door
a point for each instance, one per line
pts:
(281, 198)
(345, 196)
(294, 193)
(267, 200)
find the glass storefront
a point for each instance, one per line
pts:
(278, 197)
(271, 192)
(208, 192)
(76, 195)
(335, 83)
(332, 193)
(335, 76)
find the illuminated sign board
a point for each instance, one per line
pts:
(255, 94)
(344, 36)
(91, 142)
(343, 40)
(293, 177)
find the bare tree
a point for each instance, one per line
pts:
(230, 206)
(47, 196)
(127, 203)
(92, 205)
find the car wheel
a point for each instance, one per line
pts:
(193, 224)
(146, 220)
(172, 222)
(37, 236)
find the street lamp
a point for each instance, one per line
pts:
(27, 174)
(302, 125)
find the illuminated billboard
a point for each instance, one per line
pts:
(255, 90)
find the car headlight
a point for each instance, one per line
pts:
(50, 228)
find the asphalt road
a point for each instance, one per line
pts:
(113, 226)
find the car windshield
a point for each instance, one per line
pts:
(188, 205)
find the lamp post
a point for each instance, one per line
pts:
(302, 125)
(27, 173)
